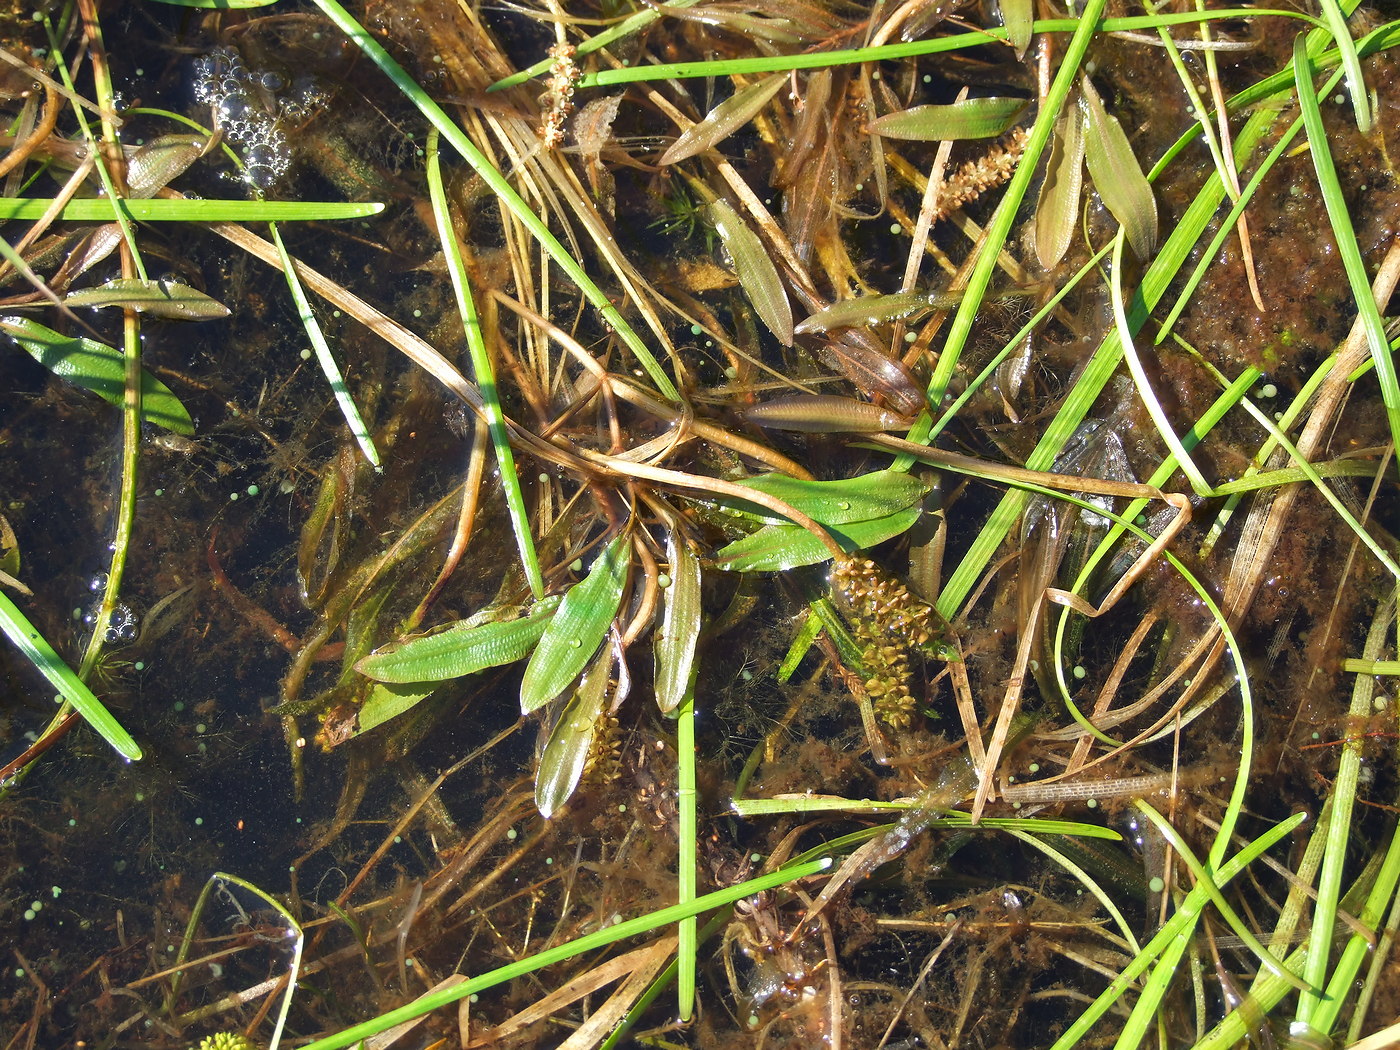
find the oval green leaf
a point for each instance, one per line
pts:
(156, 164)
(565, 755)
(775, 548)
(972, 118)
(157, 298)
(726, 118)
(1117, 176)
(578, 628)
(99, 368)
(1058, 204)
(864, 498)
(460, 650)
(680, 625)
(755, 270)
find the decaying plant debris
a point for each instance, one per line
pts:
(896, 455)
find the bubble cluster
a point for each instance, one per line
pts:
(252, 108)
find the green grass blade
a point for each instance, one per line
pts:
(39, 653)
(1345, 235)
(578, 628)
(324, 357)
(591, 942)
(484, 372)
(1351, 63)
(498, 184)
(687, 854)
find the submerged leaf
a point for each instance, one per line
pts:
(775, 548)
(823, 414)
(1017, 16)
(99, 368)
(157, 298)
(578, 628)
(869, 496)
(565, 755)
(866, 310)
(726, 118)
(1122, 186)
(156, 164)
(460, 650)
(1058, 206)
(386, 701)
(972, 118)
(680, 624)
(756, 272)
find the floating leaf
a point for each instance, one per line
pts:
(775, 548)
(1058, 205)
(722, 121)
(386, 701)
(99, 368)
(756, 272)
(1117, 176)
(578, 628)
(460, 650)
(864, 498)
(972, 118)
(565, 755)
(680, 625)
(157, 298)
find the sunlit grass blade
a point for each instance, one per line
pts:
(578, 628)
(550, 956)
(757, 274)
(1351, 63)
(1117, 176)
(483, 371)
(38, 652)
(502, 188)
(722, 121)
(99, 368)
(972, 118)
(324, 357)
(1345, 236)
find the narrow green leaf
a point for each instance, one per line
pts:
(460, 650)
(578, 628)
(823, 414)
(99, 209)
(680, 624)
(757, 274)
(324, 357)
(972, 118)
(387, 701)
(1058, 205)
(566, 753)
(1351, 62)
(726, 118)
(774, 548)
(876, 309)
(157, 298)
(1118, 177)
(38, 652)
(99, 368)
(875, 495)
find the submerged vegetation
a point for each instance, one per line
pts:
(701, 525)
